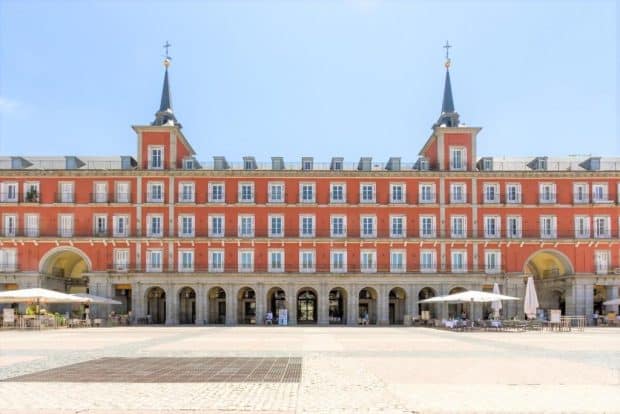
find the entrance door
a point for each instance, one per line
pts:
(306, 307)
(392, 313)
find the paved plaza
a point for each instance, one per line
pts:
(307, 370)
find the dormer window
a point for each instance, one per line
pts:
(156, 157)
(458, 158)
(188, 164)
(306, 163)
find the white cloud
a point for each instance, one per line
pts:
(8, 105)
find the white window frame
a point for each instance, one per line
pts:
(99, 195)
(373, 221)
(332, 227)
(513, 197)
(497, 222)
(66, 232)
(121, 260)
(585, 195)
(433, 230)
(368, 267)
(183, 267)
(427, 197)
(9, 196)
(31, 230)
(302, 196)
(182, 232)
(116, 218)
(547, 193)
(453, 255)
(553, 228)
(221, 233)
(32, 185)
(607, 227)
(373, 198)
(403, 193)
(192, 192)
(240, 194)
(394, 267)
(151, 149)
(149, 225)
(97, 232)
(212, 262)
(9, 230)
(332, 262)
(270, 229)
(602, 267)
(519, 229)
(120, 195)
(433, 256)
(8, 260)
(604, 193)
(213, 185)
(241, 267)
(270, 192)
(497, 261)
(151, 186)
(403, 219)
(453, 151)
(271, 268)
(67, 191)
(307, 268)
(241, 231)
(463, 192)
(486, 187)
(582, 226)
(463, 233)
(302, 233)
(154, 267)
(333, 200)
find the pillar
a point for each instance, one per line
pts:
(383, 303)
(201, 305)
(291, 302)
(171, 305)
(352, 305)
(323, 304)
(612, 293)
(231, 305)
(261, 303)
(412, 301)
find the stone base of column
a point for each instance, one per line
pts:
(383, 323)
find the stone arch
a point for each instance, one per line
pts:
(367, 305)
(155, 299)
(54, 254)
(216, 313)
(68, 264)
(397, 299)
(246, 305)
(187, 305)
(338, 298)
(431, 308)
(277, 302)
(545, 263)
(307, 299)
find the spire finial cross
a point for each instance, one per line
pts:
(447, 46)
(167, 46)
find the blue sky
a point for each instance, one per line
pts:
(315, 78)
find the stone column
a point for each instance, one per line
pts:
(412, 301)
(231, 305)
(171, 305)
(291, 304)
(201, 298)
(138, 303)
(260, 303)
(612, 293)
(352, 305)
(383, 303)
(323, 304)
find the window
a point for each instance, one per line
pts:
(276, 260)
(459, 261)
(427, 226)
(367, 226)
(154, 226)
(513, 227)
(397, 226)
(186, 260)
(491, 193)
(458, 227)
(599, 193)
(492, 261)
(276, 227)
(458, 158)
(216, 261)
(65, 225)
(122, 192)
(246, 261)
(8, 193)
(156, 193)
(246, 192)
(428, 261)
(121, 226)
(546, 193)
(397, 193)
(513, 193)
(306, 165)
(601, 227)
(306, 226)
(186, 193)
(216, 226)
(338, 262)
(601, 262)
(188, 164)
(101, 192)
(397, 261)
(338, 226)
(186, 226)
(121, 260)
(580, 193)
(491, 227)
(276, 193)
(306, 261)
(582, 227)
(306, 191)
(338, 193)
(216, 192)
(66, 192)
(100, 227)
(156, 158)
(246, 225)
(31, 192)
(427, 193)
(10, 225)
(8, 260)
(368, 261)
(154, 260)
(31, 228)
(367, 193)
(457, 193)
(548, 227)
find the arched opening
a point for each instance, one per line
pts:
(65, 267)
(367, 306)
(426, 310)
(546, 264)
(600, 296)
(246, 306)
(276, 304)
(306, 306)
(187, 306)
(217, 306)
(398, 303)
(156, 305)
(457, 310)
(338, 306)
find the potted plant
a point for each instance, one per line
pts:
(32, 196)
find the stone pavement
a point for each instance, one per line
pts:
(344, 369)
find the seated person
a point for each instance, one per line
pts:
(269, 318)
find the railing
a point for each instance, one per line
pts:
(104, 198)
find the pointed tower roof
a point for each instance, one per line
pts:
(449, 117)
(165, 115)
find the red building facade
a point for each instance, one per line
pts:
(178, 241)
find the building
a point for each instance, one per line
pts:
(180, 241)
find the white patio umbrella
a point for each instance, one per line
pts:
(38, 296)
(612, 302)
(100, 300)
(496, 305)
(530, 303)
(434, 299)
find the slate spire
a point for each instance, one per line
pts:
(449, 117)
(165, 115)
